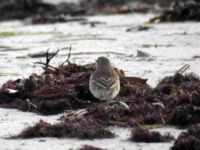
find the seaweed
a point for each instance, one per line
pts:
(65, 89)
(89, 147)
(83, 129)
(144, 135)
(174, 101)
(180, 10)
(37, 11)
(188, 140)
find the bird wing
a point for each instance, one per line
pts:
(106, 83)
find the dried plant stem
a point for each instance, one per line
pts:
(69, 55)
(183, 69)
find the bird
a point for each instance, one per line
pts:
(104, 82)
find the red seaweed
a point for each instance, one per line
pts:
(89, 147)
(83, 129)
(144, 135)
(189, 140)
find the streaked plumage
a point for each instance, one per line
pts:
(104, 82)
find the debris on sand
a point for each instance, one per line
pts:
(89, 147)
(188, 140)
(38, 11)
(144, 135)
(58, 89)
(65, 89)
(51, 92)
(139, 28)
(83, 129)
(115, 6)
(180, 96)
(180, 10)
(133, 108)
(46, 19)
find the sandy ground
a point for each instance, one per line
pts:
(169, 45)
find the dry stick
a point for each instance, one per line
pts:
(30, 104)
(183, 69)
(69, 55)
(46, 64)
(180, 71)
(42, 63)
(81, 112)
(48, 59)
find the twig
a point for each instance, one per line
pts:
(54, 54)
(42, 63)
(183, 69)
(117, 123)
(30, 104)
(46, 65)
(48, 59)
(72, 115)
(69, 55)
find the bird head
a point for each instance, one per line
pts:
(103, 62)
(103, 66)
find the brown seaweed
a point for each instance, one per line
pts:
(83, 129)
(89, 147)
(144, 135)
(65, 89)
(38, 11)
(174, 101)
(188, 140)
(180, 10)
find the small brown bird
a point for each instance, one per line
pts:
(104, 82)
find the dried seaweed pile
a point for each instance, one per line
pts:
(175, 101)
(54, 91)
(63, 88)
(144, 135)
(180, 96)
(181, 10)
(188, 140)
(38, 11)
(116, 6)
(89, 147)
(83, 129)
